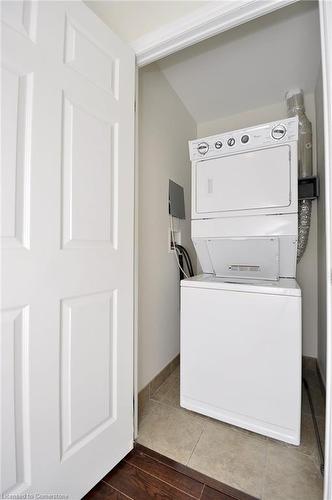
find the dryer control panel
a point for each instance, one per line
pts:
(245, 139)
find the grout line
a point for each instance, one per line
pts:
(159, 479)
(195, 447)
(190, 413)
(265, 470)
(161, 385)
(118, 491)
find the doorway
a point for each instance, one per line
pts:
(177, 96)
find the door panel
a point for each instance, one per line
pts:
(22, 17)
(16, 145)
(88, 57)
(15, 375)
(89, 331)
(88, 208)
(67, 248)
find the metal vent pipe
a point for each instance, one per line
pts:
(295, 107)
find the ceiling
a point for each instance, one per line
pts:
(133, 19)
(249, 66)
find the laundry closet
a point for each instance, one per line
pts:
(233, 87)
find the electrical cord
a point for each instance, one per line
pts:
(187, 258)
(175, 249)
(182, 259)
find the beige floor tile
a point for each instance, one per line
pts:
(308, 440)
(305, 402)
(169, 394)
(231, 454)
(169, 391)
(170, 431)
(235, 458)
(290, 475)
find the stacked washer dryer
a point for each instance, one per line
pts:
(241, 318)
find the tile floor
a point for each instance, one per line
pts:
(262, 467)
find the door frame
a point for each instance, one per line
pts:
(325, 14)
(204, 23)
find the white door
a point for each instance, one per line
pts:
(67, 248)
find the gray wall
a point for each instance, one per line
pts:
(165, 126)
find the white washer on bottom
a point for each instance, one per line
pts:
(241, 353)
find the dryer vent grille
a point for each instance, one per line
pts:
(238, 267)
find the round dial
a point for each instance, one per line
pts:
(231, 141)
(278, 132)
(245, 139)
(203, 148)
(218, 145)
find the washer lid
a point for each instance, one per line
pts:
(284, 286)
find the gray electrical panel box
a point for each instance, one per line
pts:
(176, 200)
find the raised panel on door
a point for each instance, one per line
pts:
(21, 15)
(16, 122)
(90, 153)
(15, 456)
(88, 57)
(88, 333)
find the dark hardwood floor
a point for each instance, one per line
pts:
(144, 474)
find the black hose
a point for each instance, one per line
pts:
(187, 264)
(182, 258)
(313, 414)
(181, 266)
(186, 255)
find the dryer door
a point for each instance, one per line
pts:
(245, 183)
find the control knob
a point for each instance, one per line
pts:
(278, 132)
(203, 148)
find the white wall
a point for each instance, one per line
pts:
(321, 238)
(165, 127)
(307, 268)
(133, 19)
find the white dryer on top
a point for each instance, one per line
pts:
(245, 201)
(247, 172)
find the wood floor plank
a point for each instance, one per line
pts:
(163, 472)
(103, 491)
(211, 494)
(198, 476)
(139, 485)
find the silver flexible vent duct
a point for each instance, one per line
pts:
(295, 107)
